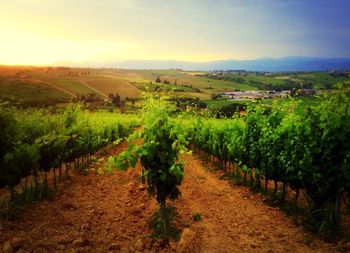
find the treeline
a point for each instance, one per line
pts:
(35, 142)
(304, 149)
(286, 85)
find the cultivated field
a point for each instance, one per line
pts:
(59, 84)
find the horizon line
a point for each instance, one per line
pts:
(58, 64)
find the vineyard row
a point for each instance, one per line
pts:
(35, 142)
(306, 149)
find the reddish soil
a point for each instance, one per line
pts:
(111, 213)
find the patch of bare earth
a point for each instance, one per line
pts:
(111, 213)
(236, 220)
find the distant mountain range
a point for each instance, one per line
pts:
(262, 64)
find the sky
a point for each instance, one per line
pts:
(44, 32)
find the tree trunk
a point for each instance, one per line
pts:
(258, 181)
(296, 196)
(251, 177)
(337, 211)
(165, 219)
(45, 178)
(12, 193)
(54, 177)
(60, 172)
(25, 187)
(284, 190)
(67, 165)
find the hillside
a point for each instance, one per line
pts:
(52, 85)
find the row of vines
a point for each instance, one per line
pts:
(36, 142)
(306, 149)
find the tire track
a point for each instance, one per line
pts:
(54, 86)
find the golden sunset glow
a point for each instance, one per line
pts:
(38, 32)
(26, 48)
(40, 49)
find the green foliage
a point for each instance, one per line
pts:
(159, 153)
(197, 217)
(163, 143)
(304, 148)
(33, 142)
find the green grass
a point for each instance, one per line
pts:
(282, 80)
(322, 79)
(70, 85)
(264, 79)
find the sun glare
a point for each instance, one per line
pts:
(23, 48)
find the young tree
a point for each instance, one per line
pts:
(158, 155)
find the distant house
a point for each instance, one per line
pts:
(225, 95)
(240, 95)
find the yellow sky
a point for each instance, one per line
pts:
(23, 47)
(33, 43)
(37, 32)
(27, 48)
(44, 32)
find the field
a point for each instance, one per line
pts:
(56, 83)
(59, 84)
(17, 91)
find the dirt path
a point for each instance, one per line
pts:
(110, 213)
(55, 87)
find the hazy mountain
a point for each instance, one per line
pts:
(262, 64)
